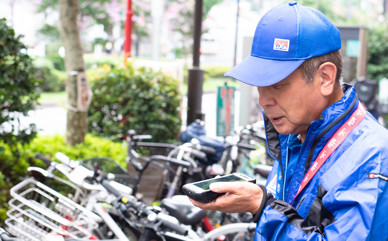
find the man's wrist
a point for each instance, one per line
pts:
(266, 199)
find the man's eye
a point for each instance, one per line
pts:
(276, 87)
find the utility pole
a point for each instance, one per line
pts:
(128, 32)
(195, 76)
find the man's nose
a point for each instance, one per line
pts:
(265, 98)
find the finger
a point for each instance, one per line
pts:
(230, 187)
(206, 206)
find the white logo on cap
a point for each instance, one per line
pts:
(281, 44)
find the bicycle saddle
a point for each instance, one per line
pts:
(181, 208)
(262, 170)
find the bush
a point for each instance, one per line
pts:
(57, 61)
(92, 62)
(378, 53)
(18, 88)
(215, 72)
(14, 168)
(140, 99)
(52, 80)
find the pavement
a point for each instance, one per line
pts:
(49, 119)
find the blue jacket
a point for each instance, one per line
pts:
(347, 199)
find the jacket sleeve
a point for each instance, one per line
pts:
(351, 220)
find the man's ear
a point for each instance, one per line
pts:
(327, 73)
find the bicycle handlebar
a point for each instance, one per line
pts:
(251, 132)
(142, 208)
(64, 159)
(75, 172)
(246, 146)
(142, 137)
(173, 226)
(43, 158)
(133, 136)
(170, 160)
(105, 183)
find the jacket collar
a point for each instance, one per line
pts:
(320, 130)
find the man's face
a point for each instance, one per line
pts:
(291, 104)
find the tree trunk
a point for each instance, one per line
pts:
(76, 119)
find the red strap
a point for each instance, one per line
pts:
(332, 144)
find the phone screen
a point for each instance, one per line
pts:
(229, 178)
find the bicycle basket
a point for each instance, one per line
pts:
(37, 211)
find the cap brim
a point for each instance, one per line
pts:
(263, 72)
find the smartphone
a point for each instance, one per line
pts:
(200, 191)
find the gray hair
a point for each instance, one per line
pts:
(310, 66)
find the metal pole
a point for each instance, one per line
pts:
(128, 31)
(195, 76)
(197, 32)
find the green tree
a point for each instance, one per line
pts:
(18, 88)
(378, 57)
(104, 12)
(378, 53)
(325, 6)
(182, 21)
(18, 96)
(76, 118)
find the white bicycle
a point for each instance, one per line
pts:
(39, 212)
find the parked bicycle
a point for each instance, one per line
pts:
(196, 155)
(110, 222)
(174, 175)
(245, 149)
(155, 225)
(41, 213)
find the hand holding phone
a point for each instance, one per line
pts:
(200, 191)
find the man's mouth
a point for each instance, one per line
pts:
(276, 120)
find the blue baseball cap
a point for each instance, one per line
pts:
(285, 37)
